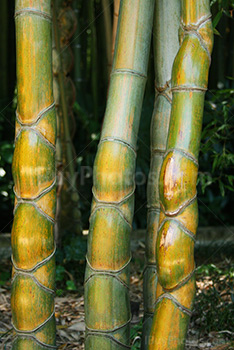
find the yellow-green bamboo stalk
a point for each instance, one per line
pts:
(178, 176)
(107, 307)
(166, 44)
(33, 248)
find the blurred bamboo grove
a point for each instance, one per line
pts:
(89, 70)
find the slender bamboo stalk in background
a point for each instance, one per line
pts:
(69, 216)
(64, 107)
(115, 23)
(178, 176)
(166, 44)
(77, 49)
(108, 33)
(4, 53)
(107, 305)
(33, 248)
(94, 56)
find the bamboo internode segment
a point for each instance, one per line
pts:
(177, 185)
(107, 304)
(166, 45)
(32, 238)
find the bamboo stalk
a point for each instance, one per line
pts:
(77, 49)
(94, 57)
(64, 107)
(108, 33)
(166, 44)
(4, 91)
(32, 239)
(115, 23)
(107, 306)
(177, 184)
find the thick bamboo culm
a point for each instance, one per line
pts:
(166, 45)
(107, 306)
(177, 185)
(33, 248)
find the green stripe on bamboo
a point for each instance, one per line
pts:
(107, 306)
(166, 44)
(32, 298)
(177, 185)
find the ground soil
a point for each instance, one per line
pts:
(69, 312)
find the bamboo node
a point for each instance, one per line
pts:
(33, 11)
(109, 271)
(184, 88)
(129, 72)
(175, 301)
(100, 334)
(117, 203)
(163, 88)
(196, 26)
(38, 117)
(30, 336)
(118, 140)
(109, 330)
(107, 205)
(180, 208)
(41, 194)
(37, 266)
(194, 29)
(182, 227)
(184, 153)
(181, 283)
(36, 328)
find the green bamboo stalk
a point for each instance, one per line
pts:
(177, 184)
(108, 33)
(4, 53)
(76, 42)
(107, 306)
(166, 44)
(64, 107)
(33, 248)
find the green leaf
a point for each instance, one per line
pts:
(59, 292)
(6, 150)
(230, 179)
(217, 19)
(60, 271)
(216, 32)
(229, 188)
(70, 285)
(222, 189)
